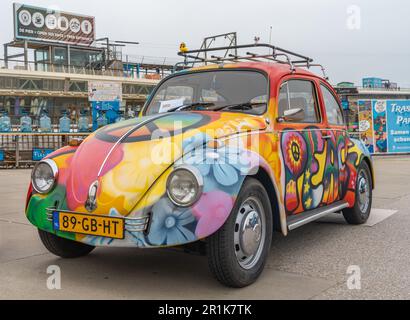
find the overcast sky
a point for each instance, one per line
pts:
(378, 44)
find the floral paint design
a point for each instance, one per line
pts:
(170, 224)
(307, 170)
(317, 170)
(295, 154)
(132, 185)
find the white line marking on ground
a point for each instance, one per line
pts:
(376, 216)
(379, 215)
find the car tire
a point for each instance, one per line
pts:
(360, 212)
(232, 254)
(64, 248)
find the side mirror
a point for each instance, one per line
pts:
(293, 115)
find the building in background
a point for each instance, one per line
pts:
(53, 59)
(379, 114)
(58, 83)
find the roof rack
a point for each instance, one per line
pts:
(275, 54)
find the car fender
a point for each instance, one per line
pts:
(224, 169)
(356, 154)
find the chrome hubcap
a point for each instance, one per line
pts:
(249, 233)
(364, 191)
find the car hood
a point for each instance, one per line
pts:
(127, 158)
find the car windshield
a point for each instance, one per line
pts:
(227, 90)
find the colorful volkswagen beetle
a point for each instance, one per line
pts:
(223, 155)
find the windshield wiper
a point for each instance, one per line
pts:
(242, 106)
(191, 106)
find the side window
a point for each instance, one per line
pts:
(333, 110)
(299, 94)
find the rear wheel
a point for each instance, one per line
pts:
(360, 213)
(64, 248)
(237, 253)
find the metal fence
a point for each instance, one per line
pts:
(23, 150)
(149, 66)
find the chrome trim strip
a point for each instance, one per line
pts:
(128, 133)
(321, 213)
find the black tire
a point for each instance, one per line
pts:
(222, 249)
(64, 248)
(358, 215)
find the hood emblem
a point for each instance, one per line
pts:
(91, 203)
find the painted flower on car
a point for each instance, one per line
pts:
(226, 164)
(212, 210)
(295, 153)
(170, 224)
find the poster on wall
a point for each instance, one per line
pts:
(380, 125)
(386, 127)
(366, 123)
(398, 126)
(99, 91)
(353, 116)
(34, 23)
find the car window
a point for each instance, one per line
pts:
(299, 94)
(172, 95)
(222, 88)
(333, 110)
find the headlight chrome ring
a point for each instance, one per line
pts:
(53, 174)
(197, 183)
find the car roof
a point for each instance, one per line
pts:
(275, 70)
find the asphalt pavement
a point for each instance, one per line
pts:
(311, 263)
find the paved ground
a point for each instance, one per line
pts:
(309, 264)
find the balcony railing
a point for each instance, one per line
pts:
(142, 68)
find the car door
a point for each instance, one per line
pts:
(338, 141)
(303, 136)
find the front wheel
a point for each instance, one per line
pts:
(237, 253)
(360, 213)
(64, 248)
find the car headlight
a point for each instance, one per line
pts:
(44, 176)
(184, 186)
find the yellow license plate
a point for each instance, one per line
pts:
(89, 225)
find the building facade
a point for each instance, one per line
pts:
(380, 117)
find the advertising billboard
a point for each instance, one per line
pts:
(398, 126)
(389, 124)
(34, 23)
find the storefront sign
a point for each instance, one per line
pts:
(389, 130)
(104, 91)
(33, 23)
(346, 91)
(40, 154)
